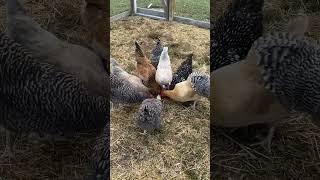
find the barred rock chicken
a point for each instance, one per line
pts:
(155, 53)
(286, 78)
(183, 71)
(233, 34)
(145, 70)
(100, 158)
(164, 71)
(126, 88)
(74, 59)
(200, 83)
(149, 114)
(36, 97)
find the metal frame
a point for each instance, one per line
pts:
(167, 14)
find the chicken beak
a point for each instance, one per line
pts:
(159, 97)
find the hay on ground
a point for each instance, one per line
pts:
(181, 149)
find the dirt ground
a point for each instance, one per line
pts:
(295, 146)
(181, 149)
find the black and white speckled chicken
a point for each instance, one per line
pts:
(155, 53)
(233, 33)
(149, 114)
(294, 76)
(100, 159)
(46, 47)
(200, 83)
(36, 97)
(126, 88)
(286, 78)
(183, 71)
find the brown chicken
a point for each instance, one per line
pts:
(182, 92)
(145, 70)
(238, 93)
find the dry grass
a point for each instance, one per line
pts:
(45, 160)
(181, 149)
(295, 147)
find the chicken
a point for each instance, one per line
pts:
(45, 47)
(183, 71)
(155, 53)
(182, 92)
(145, 70)
(126, 88)
(37, 97)
(286, 78)
(164, 71)
(100, 158)
(234, 32)
(200, 83)
(149, 114)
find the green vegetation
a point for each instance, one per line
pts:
(186, 8)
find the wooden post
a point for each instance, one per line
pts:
(171, 6)
(133, 7)
(165, 8)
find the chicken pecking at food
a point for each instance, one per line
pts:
(126, 88)
(164, 71)
(145, 70)
(286, 78)
(149, 114)
(156, 52)
(234, 32)
(189, 90)
(183, 71)
(200, 83)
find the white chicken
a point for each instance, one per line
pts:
(164, 71)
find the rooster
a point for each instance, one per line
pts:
(164, 71)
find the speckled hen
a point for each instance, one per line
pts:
(126, 88)
(100, 159)
(37, 97)
(233, 34)
(183, 71)
(149, 114)
(294, 75)
(156, 52)
(200, 83)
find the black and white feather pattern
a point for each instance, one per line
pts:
(233, 34)
(37, 97)
(100, 158)
(200, 83)
(183, 71)
(149, 114)
(291, 70)
(126, 88)
(156, 52)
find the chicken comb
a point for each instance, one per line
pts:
(138, 50)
